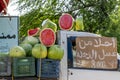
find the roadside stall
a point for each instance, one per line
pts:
(18, 64)
(51, 54)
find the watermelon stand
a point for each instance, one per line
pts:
(22, 68)
(63, 70)
(99, 61)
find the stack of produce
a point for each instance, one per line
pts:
(40, 43)
(24, 49)
(22, 62)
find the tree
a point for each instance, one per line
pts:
(114, 26)
(35, 12)
(97, 14)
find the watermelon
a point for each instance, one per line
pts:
(28, 49)
(33, 32)
(47, 23)
(47, 37)
(30, 40)
(17, 51)
(39, 51)
(66, 21)
(55, 52)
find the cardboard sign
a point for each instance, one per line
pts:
(96, 52)
(8, 32)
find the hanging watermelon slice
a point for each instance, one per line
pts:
(66, 21)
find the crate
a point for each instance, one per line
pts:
(23, 66)
(32, 78)
(5, 78)
(49, 79)
(5, 66)
(48, 68)
(26, 78)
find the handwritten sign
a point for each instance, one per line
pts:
(96, 52)
(8, 32)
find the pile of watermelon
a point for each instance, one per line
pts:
(41, 43)
(32, 47)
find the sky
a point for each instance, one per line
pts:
(12, 10)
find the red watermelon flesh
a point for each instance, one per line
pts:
(66, 21)
(47, 37)
(33, 32)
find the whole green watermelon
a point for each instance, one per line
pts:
(55, 52)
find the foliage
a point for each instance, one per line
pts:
(114, 26)
(99, 16)
(33, 17)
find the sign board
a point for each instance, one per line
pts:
(96, 52)
(8, 32)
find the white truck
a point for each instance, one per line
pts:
(71, 73)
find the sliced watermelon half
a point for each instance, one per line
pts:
(47, 37)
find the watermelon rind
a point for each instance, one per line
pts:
(66, 21)
(33, 32)
(47, 37)
(47, 23)
(39, 51)
(30, 40)
(28, 49)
